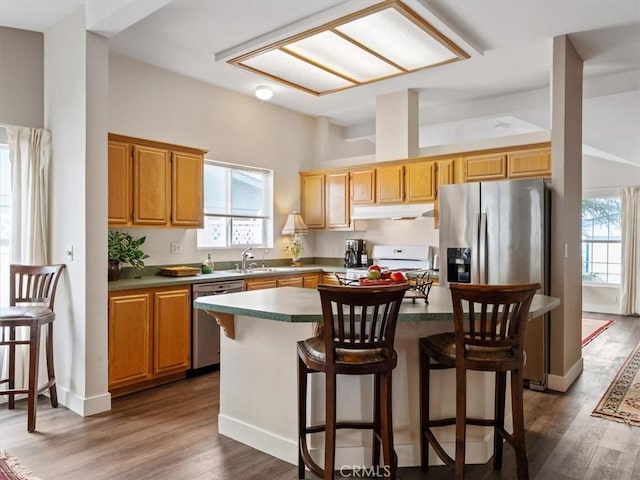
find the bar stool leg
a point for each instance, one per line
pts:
(499, 401)
(330, 422)
(377, 430)
(302, 414)
(34, 355)
(53, 393)
(461, 422)
(387, 425)
(522, 464)
(12, 367)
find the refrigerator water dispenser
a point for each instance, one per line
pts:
(459, 265)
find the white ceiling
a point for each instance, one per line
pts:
(503, 87)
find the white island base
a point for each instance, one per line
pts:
(258, 396)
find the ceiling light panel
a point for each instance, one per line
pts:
(282, 66)
(381, 41)
(342, 56)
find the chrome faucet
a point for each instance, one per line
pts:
(246, 254)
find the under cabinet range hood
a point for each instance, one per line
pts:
(395, 212)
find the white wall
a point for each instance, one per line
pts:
(76, 115)
(21, 78)
(148, 102)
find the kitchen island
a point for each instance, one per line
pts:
(258, 391)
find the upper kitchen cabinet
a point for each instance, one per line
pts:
(530, 163)
(485, 167)
(363, 186)
(154, 184)
(390, 184)
(325, 200)
(420, 181)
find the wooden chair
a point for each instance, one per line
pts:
(490, 322)
(32, 292)
(357, 339)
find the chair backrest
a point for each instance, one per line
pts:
(491, 316)
(35, 284)
(359, 318)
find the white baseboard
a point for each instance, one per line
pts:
(562, 383)
(600, 308)
(84, 406)
(479, 446)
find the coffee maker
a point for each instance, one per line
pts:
(355, 253)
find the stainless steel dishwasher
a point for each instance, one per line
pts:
(205, 332)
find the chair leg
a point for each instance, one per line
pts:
(498, 441)
(424, 372)
(330, 422)
(302, 415)
(377, 432)
(461, 421)
(517, 408)
(53, 393)
(12, 367)
(34, 355)
(387, 425)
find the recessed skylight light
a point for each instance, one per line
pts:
(379, 42)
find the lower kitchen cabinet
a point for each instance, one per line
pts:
(149, 337)
(307, 280)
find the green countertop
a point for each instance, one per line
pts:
(292, 304)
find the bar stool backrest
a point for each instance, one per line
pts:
(360, 318)
(33, 284)
(491, 316)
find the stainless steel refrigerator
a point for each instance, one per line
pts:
(498, 232)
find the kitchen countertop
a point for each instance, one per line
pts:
(151, 281)
(293, 304)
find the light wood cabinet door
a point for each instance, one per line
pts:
(337, 209)
(312, 200)
(120, 170)
(390, 184)
(151, 186)
(172, 331)
(291, 281)
(130, 338)
(420, 181)
(311, 280)
(187, 189)
(485, 167)
(445, 175)
(329, 279)
(363, 187)
(530, 163)
(260, 283)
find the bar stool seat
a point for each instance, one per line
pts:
(356, 338)
(489, 323)
(32, 293)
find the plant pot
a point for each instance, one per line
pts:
(115, 268)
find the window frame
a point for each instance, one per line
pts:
(594, 242)
(267, 206)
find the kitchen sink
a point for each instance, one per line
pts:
(257, 270)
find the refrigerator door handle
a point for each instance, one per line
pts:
(475, 250)
(482, 248)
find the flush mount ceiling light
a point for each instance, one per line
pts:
(382, 41)
(263, 92)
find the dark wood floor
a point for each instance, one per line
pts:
(171, 432)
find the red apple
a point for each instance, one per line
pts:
(386, 274)
(373, 267)
(397, 277)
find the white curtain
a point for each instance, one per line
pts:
(29, 154)
(630, 288)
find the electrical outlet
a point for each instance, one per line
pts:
(176, 248)
(70, 253)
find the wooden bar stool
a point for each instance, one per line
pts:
(489, 323)
(357, 339)
(32, 292)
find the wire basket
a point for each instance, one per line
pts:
(419, 287)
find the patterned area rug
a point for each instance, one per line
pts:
(621, 403)
(592, 327)
(10, 469)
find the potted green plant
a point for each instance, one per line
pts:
(123, 248)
